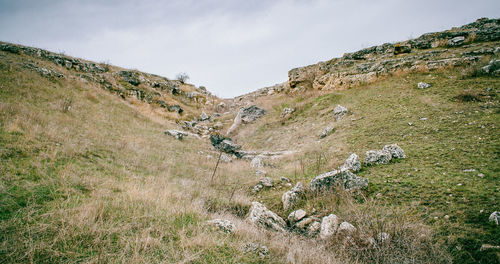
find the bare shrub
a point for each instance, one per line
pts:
(182, 77)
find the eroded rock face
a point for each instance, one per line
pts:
(338, 178)
(261, 216)
(377, 157)
(176, 134)
(367, 65)
(329, 225)
(289, 198)
(352, 163)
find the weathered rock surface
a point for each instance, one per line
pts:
(377, 157)
(313, 228)
(263, 217)
(329, 130)
(352, 163)
(338, 178)
(263, 183)
(339, 112)
(223, 225)
(289, 198)
(329, 225)
(246, 115)
(176, 134)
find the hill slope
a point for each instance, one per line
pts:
(89, 176)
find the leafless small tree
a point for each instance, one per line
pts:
(182, 77)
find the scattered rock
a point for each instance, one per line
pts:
(456, 41)
(255, 247)
(176, 134)
(296, 216)
(224, 225)
(257, 163)
(339, 112)
(302, 224)
(261, 216)
(423, 85)
(383, 237)
(495, 217)
(377, 157)
(260, 173)
(287, 112)
(263, 183)
(352, 163)
(343, 178)
(488, 247)
(346, 228)
(204, 116)
(175, 108)
(249, 114)
(246, 115)
(396, 151)
(327, 132)
(493, 67)
(284, 179)
(225, 145)
(328, 226)
(289, 198)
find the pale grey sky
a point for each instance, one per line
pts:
(231, 47)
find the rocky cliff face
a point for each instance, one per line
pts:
(456, 47)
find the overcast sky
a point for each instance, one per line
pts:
(231, 47)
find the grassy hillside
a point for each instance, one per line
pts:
(90, 177)
(450, 133)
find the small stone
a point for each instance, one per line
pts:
(446, 217)
(352, 163)
(377, 157)
(339, 112)
(263, 217)
(495, 217)
(287, 112)
(327, 132)
(314, 228)
(329, 226)
(255, 247)
(289, 198)
(423, 118)
(410, 123)
(266, 182)
(224, 225)
(257, 163)
(383, 237)
(176, 134)
(204, 116)
(423, 85)
(296, 216)
(480, 175)
(488, 247)
(346, 228)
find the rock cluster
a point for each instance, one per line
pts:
(385, 155)
(329, 130)
(287, 112)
